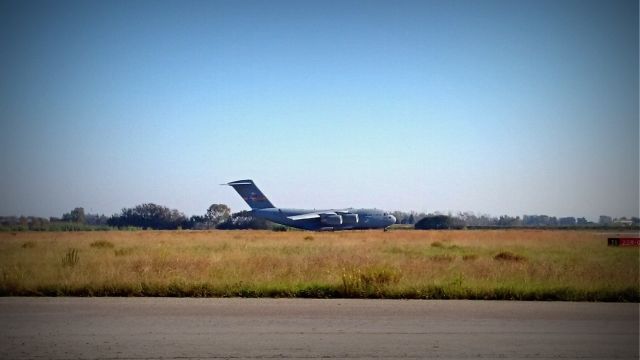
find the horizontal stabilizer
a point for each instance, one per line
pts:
(239, 183)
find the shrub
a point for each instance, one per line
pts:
(508, 256)
(28, 245)
(102, 244)
(443, 258)
(363, 282)
(123, 252)
(71, 258)
(379, 277)
(469, 257)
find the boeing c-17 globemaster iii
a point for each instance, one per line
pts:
(317, 220)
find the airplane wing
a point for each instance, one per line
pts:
(316, 215)
(304, 216)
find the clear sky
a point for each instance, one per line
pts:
(498, 107)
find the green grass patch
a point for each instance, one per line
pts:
(195, 289)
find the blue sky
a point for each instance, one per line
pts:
(499, 107)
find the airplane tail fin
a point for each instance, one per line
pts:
(251, 194)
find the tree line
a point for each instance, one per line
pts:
(469, 220)
(219, 216)
(143, 216)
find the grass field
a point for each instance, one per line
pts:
(491, 264)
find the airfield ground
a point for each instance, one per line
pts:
(171, 328)
(478, 264)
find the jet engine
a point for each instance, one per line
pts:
(331, 219)
(349, 219)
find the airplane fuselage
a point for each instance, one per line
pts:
(365, 219)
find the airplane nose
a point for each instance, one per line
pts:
(392, 219)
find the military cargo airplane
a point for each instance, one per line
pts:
(316, 220)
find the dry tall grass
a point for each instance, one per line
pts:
(509, 264)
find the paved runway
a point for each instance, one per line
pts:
(169, 328)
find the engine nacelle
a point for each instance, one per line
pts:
(331, 219)
(349, 219)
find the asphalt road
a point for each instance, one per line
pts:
(170, 328)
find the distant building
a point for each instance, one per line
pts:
(623, 222)
(567, 221)
(605, 220)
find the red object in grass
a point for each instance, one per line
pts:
(623, 241)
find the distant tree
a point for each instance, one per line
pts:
(76, 215)
(411, 220)
(38, 223)
(400, 216)
(243, 220)
(95, 219)
(149, 216)
(470, 219)
(507, 221)
(34, 223)
(217, 213)
(197, 222)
